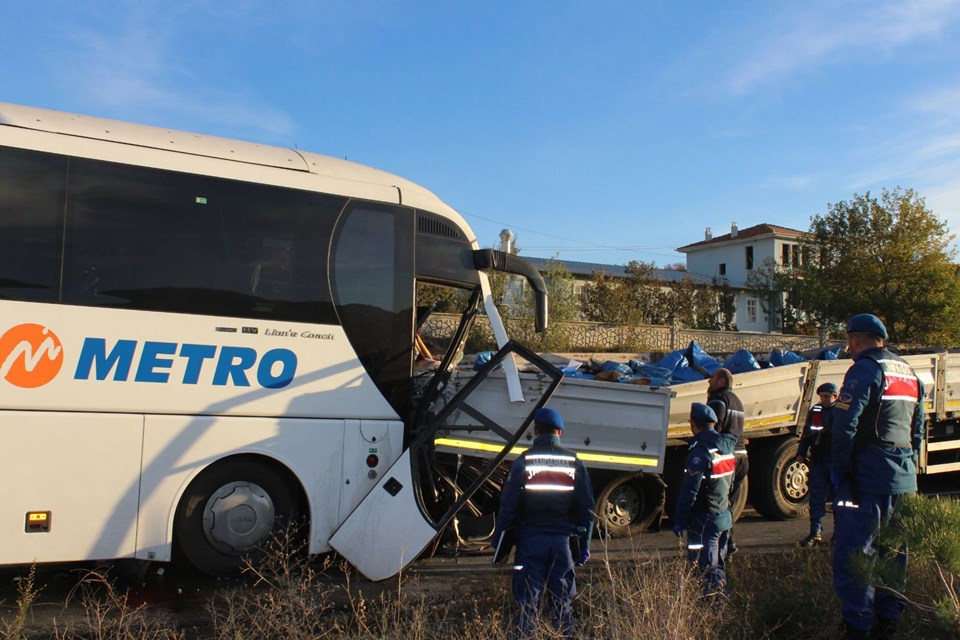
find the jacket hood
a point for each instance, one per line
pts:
(724, 442)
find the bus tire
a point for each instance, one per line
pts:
(778, 483)
(230, 511)
(628, 504)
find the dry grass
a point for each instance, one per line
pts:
(650, 597)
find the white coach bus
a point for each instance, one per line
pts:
(202, 340)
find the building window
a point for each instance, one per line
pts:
(790, 255)
(753, 308)
(723, 268)
(749, 254)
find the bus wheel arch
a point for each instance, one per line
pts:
(231, 509)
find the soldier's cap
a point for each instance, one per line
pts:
(548, 418)
(866, 323)
(702, 414)
(827, 387)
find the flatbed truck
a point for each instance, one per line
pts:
(633, 438)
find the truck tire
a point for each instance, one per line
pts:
(778, 484)
(738, 507)
(628, 504)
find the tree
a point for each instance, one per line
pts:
(563, 303)
(636, 299)
(777, 288)
(608, 300)
(889, 256)
(642, 298)
(726, 305)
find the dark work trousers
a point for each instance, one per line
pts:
(739, 473)
(707, 547)
(544, 559)
(818, 478)
(857, 525)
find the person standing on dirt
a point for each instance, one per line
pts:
(814, 451)
(703, 503)
(877, 431)
(730, 416)
(547, 505)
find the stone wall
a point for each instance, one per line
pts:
(599, 337)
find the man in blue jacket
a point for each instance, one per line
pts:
(547, 503)
(703, 504)
(877, 429)
(814, 451)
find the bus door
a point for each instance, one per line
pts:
(392, 525)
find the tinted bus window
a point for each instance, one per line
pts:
(32, 189)
(163, 241)
(373, 290)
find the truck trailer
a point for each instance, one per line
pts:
(633, 438)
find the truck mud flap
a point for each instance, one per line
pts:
(391, 526)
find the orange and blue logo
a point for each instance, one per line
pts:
(30, 355)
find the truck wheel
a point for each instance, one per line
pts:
(778, 483)
(738, 507)
(628, 504)
(229, 511)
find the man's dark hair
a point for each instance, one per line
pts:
(543, 429)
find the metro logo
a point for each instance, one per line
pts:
(275, 369)
(30, 355)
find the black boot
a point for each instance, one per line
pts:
(811, 540)
(850, 633)
(885, 629)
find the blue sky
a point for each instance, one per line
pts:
(599, 131)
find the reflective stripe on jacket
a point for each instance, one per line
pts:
(878, 424)
(705, 491)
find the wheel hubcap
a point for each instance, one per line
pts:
(795, 481)
(623, 506)
(237, 516)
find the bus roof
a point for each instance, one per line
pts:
(205, 146)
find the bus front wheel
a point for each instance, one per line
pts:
(229, 512)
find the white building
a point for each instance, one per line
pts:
(736, 254)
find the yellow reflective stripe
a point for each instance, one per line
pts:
(479, 446)
(597, 457)
(586, 457)
(765, 421)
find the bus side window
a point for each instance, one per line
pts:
(272, 269)
(32, 194)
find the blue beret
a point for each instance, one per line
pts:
(701, 413)
(827, 387)
(866, 323)
(548, 417)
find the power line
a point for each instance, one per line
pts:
(580, 244)
(625, 247)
